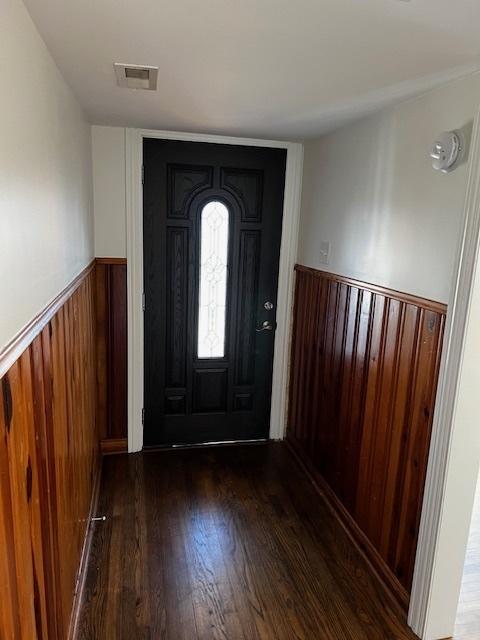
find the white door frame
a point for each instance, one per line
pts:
(288, 253)
(455, 448)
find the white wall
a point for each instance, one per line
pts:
(108, 151)
(46, 222)
(369, 190)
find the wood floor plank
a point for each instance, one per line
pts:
(171, 586)
(278, 551)
(227, 543)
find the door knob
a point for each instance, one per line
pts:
(268, 306)
(266, 326)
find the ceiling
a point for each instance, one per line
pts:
(284, 69)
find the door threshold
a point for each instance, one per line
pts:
(203, 445)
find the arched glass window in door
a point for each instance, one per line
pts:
(214, 223)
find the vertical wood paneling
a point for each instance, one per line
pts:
(42, 402)
(9, 602)
(364, 371)
(111, 341)
(49, 458)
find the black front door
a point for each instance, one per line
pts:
(212, 230)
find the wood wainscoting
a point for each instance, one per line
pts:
(364, 370)
(111, 319)
(49, 465)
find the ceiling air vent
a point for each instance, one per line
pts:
(135, 76)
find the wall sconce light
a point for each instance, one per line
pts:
(447, 151)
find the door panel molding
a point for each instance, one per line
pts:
(247, 249)
(288, 250)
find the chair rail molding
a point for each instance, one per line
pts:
(436, 583)
(20, 342)
(288, 250)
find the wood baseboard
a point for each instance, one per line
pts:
(109, 446)
(82, 569)
(395, 592)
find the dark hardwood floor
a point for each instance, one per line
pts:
(225, 543)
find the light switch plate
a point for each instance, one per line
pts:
(324, 253)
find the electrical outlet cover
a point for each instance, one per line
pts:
(324, 253)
